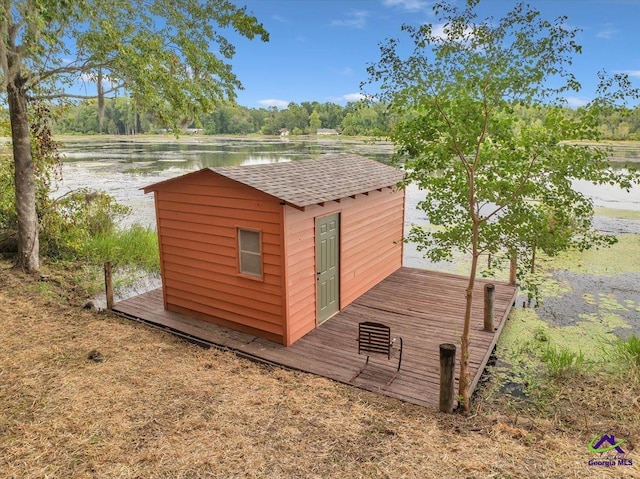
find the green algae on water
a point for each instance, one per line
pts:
(617, 213)
(622, 257)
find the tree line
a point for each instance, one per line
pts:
(123, 116)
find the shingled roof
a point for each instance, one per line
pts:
(309, 182)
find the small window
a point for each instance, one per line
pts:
(250, 257)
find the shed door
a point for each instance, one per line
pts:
(327, 264)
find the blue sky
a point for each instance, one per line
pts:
(319, 50)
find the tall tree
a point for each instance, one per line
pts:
(331, 114)
(101, 105)
(161, 50)
(314, 122)
(491, 178)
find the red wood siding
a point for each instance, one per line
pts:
(197, 218)
(371, 227)
(161, 252)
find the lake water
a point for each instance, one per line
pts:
(122, 166)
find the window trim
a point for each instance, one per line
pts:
(245, 274)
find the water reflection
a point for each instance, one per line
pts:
(204, 152)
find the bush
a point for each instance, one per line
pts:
(7, 196)
(68, 223)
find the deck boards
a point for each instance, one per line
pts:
(425, 308)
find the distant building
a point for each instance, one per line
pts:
(326, 131)
(284, 132)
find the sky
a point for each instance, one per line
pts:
(319, 50)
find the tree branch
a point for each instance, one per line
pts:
(515, 192)
(83, 67)
(115, 88)
(52, 49)
(55, 96)
(484, 126)
(12, 31)
(4, 53)
(463, 158)
(9, 53)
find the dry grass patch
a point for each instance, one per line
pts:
(150, 405)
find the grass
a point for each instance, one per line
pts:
(136, 246)
(87, 394)
(561, 363)
(133, 254)
(627, 351)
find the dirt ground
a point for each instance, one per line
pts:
(87, 394)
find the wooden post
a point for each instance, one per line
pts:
(489, 289)
(447, 367)
(108, 284)
(513, 268)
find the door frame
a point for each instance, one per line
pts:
(316, 264)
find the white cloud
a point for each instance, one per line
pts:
(274, 102)
(351, 97)
(346, 71)
(632, 73)
(437, 31)
(409, 5)
(279, 18)
(576, 102)
(607, 32)
(354, 97)
(357, 19)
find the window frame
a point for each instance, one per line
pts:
(260, 253)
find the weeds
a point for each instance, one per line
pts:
(136, 246)
(627, 352)
(561, 363)
(541, 333)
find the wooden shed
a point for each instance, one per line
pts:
(276, 249)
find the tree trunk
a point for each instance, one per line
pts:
(28, 242)
(533, 258)
(100, 102)
(465, 378)
(513, 267)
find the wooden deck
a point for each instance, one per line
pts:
(425, 308)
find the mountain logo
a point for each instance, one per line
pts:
(605, 443)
